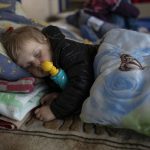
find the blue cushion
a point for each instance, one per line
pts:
(10, 71)
(120, 95)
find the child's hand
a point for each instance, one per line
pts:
(47, 99)
(44, 113)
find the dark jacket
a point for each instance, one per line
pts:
(76, 59)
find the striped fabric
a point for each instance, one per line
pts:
(24, 85)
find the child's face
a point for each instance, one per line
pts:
(32, 55)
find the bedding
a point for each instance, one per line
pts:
(7, 123)
(10, 71)
(55, 134)
(24, 85)
(16, 106)
(12, 14)
(120, 95)
(7, 5)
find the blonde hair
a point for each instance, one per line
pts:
(14, 41)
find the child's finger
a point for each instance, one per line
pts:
(44, 99)
(37, 110)
(47, 99)
(38, 115)
(41, 118)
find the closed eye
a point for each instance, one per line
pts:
(38, 54)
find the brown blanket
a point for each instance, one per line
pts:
(7, 123)
(71, 134)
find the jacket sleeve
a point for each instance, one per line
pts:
(78, 66)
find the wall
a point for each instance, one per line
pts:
(144, 9)
(40, 9)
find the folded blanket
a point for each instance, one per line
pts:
(24, 85)
(17, 105)
(7, 123)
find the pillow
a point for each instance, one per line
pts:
(24, 85)
(120, 95)
(9, 70)
(7, 5)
